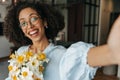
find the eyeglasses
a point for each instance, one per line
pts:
(33, 21)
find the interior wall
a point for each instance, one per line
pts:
(2, 12)
(4, 44)
(4, 47)
(106, 7)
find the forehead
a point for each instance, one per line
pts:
(26, 12)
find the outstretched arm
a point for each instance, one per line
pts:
(109, 53)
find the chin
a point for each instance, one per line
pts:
(36, 39)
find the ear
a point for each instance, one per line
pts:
(45, 22)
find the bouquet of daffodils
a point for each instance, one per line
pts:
(27, 66)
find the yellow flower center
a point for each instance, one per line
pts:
(28, 54)
(20, 59)
(33, 63)
(41, 68)
(41, 56)
(24, 73)
(38, 79)
(10, 68)
(14, 77)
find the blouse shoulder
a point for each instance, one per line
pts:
(73, 65)
(22, 49)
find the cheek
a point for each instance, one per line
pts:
(40, 27)
(24, 31)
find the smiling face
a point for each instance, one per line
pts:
(32, 25)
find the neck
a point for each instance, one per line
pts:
(40, 45)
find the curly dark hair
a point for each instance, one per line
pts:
(13, 32)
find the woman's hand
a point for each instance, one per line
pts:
(114, 41)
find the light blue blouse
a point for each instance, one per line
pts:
(67, 64)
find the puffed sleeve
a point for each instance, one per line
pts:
(22, 49)
(73, 65)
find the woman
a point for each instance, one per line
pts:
(32, 25)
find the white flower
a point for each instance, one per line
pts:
(26, 74)
(33, 64)
(15, 70)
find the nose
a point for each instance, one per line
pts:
(30, 25)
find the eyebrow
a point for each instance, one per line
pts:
(33, 14)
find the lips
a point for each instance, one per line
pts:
(33, 32)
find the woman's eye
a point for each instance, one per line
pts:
(23, 24)
(34, 19)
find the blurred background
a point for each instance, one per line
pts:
(85, 20)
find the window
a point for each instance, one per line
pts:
(91, 21)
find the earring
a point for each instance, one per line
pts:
(46, 27)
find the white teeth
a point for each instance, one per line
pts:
(33, 32)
